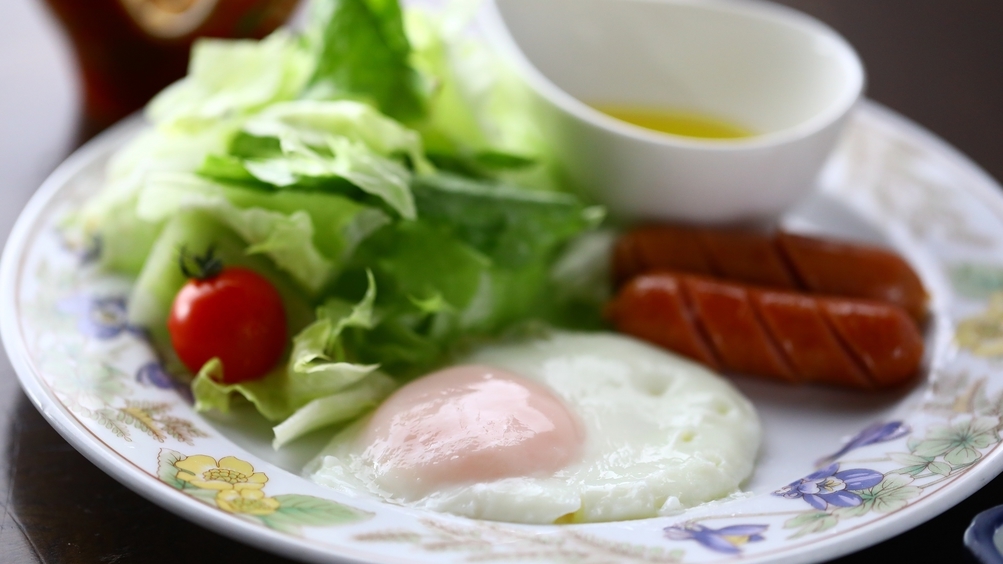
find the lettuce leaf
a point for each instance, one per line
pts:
(308, 235)
(307, 145)
(315, 123)
(363, 53)
(480, 120)
(318, 349)
(286, 239)
(414, 259)
(228, 78)
(512, 226)
(476, 261)
(383, 178)
(336, 408)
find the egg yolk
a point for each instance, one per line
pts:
(468, 424)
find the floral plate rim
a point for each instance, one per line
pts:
(143, 482)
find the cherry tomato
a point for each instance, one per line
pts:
(237, 316)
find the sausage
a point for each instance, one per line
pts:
(777, 334)
(779, 260)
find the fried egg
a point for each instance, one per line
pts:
(570, 428)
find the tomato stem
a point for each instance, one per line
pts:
(200, 267)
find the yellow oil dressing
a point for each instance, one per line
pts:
(686, 123)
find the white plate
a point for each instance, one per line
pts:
(930, 446)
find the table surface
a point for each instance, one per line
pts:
(938, 63)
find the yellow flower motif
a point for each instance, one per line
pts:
(229, 473)
(251, 502)
(983, 334)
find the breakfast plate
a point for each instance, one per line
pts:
(838, 471)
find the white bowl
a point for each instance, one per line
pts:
(780, 73)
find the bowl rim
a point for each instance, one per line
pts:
(497, 31)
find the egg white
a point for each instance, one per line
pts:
(662, 433)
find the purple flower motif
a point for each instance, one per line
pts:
(728, 540)
(827, 487)
(154, 373)
(876, 433)
(102, 318)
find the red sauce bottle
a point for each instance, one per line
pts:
(128, 50)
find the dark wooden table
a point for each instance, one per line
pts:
(939, 63)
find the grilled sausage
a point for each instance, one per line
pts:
(781, 260)
(777, 334)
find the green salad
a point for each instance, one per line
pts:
(381, 170)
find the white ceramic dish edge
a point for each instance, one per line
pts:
(112, 463)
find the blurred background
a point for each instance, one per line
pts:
(125, 51)
(70, 67)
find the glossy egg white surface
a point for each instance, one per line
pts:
(660, 434)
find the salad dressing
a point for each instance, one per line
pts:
(677, 122)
